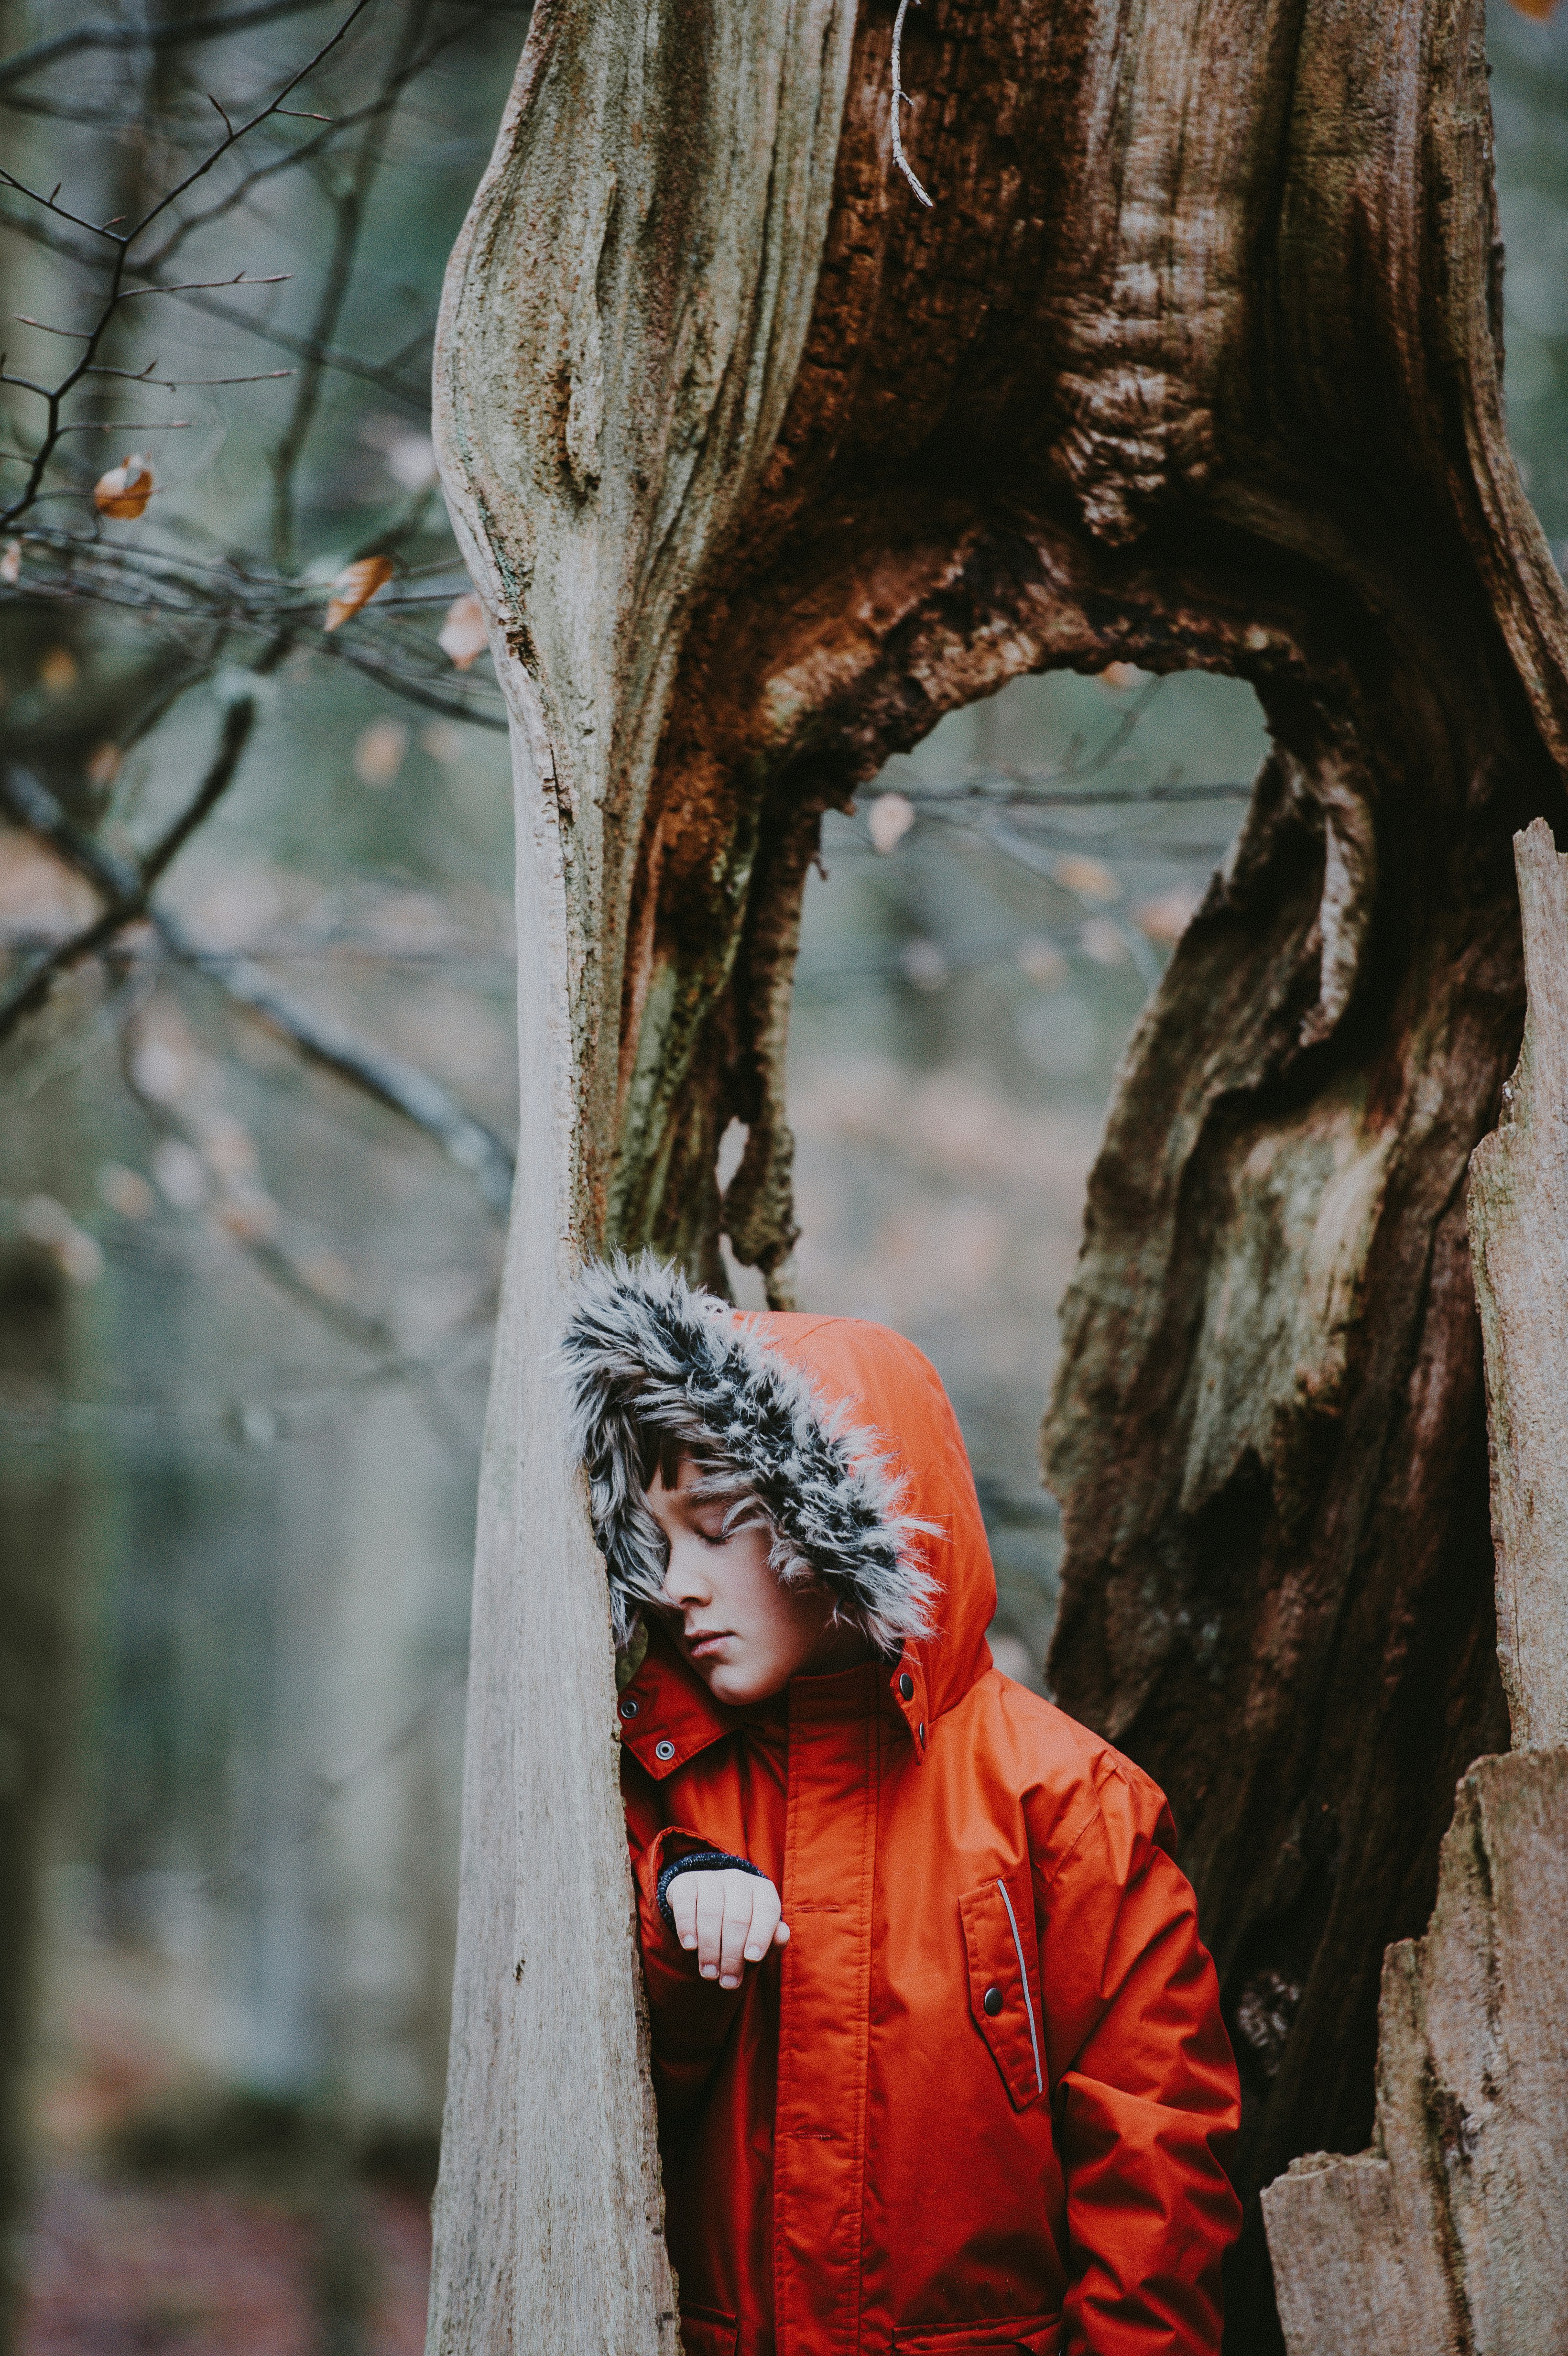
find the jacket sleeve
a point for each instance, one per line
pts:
(689, 2017)
(1142, 2081)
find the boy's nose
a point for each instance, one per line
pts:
(682, 1579)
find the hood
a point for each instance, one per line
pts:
(840, 1429)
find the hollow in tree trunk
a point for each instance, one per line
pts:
(762, 466)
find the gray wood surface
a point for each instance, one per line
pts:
(1519, 1243)
(602, 404)
(1451, 2233)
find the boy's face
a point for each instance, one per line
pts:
(743, 1633)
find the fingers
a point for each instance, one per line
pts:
(763, 1922)
(731, 1919)
(683, 1906)
(710, 1920)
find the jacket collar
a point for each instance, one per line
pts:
(668, 1714)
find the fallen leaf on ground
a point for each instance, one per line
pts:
(11, 562)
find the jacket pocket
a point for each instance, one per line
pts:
(1039, 2334)
(705, 2332)
(1004, 1982)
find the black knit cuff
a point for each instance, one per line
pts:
(702, 1860)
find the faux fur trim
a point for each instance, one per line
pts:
(646, 1351)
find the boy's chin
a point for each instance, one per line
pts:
(740, 1684)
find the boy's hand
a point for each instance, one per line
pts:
(731, 1919)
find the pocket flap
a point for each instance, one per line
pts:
(704, 2331)
(1004, 1982)
(1039, 2334)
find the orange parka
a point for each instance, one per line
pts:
(982, 2099)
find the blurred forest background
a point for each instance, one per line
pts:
(257, 1090)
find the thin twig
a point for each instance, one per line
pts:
(380, 374)
(337, 127)
(117, 293)
(901, 98)
(126, 888)
(375, 1071)
(170, 35)
(351, 208)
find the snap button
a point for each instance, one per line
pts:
(906, 1686)
(992, 2000)
(629, 1706)
(663, 1751)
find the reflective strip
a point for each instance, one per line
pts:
(1023, 1974)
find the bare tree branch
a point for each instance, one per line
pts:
(117, 293)
(376, 1071)
(382, 375)
(383, 103)
(350, 208)
(170, 35)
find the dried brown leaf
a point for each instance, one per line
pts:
(125, 489)
(462, 638)
(354, 586)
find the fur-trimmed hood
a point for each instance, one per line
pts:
(838, 1429)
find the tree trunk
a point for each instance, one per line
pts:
(1450, 2234)
(40, 1597)
(761, 468)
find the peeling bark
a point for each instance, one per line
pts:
(761, 468)
(1518, 1235)
(1450, 2233)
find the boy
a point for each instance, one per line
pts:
(937, 2050)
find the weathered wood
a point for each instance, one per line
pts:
(1451, 2233)
(1450, 2236)
(761, 468)
(623, 319)
(1518, 1239)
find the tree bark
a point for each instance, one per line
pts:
(761, 468)
(41, 1587)
(1519, 1235)
(1450, 2234)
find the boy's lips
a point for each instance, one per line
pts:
(704, 1640)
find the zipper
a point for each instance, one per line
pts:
(1023, 1974)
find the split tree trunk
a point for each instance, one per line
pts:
(1450, 2235)
(761, 468)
